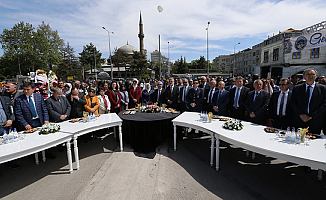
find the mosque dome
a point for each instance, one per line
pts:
(128, 49)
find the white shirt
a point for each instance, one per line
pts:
(34, 105)
(284, 103)
(184, 93)
(235, 94)
(210, 91)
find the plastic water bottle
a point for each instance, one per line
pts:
(5, 137)
(288, 134)
(10, 136)
(293, 134)
(16, 138)
(201, 116)
(298, 137)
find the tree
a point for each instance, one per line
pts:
(139, 63)
(29, 49)
(51, 45)
(120, 58)
(88, 57)
(200, 63)
(180, 67)
(69, 65)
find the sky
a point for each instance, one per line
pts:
(182, 23)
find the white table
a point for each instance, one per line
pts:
(34, 143)
(254, 138)
(80, 128)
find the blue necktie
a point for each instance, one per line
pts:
(32, 106)
(256, 94)
(307, 99)
(158, 96)
(237, 94)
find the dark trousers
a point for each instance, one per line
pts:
(238, 113)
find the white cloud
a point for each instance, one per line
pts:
(182, 22)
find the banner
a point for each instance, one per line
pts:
(306, 42)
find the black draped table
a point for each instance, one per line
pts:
(145, 131)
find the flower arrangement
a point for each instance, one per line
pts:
(49, 128)
(233, 124)
(150, 109)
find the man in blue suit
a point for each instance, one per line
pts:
(195, 98)
(221, 99)
(30, 109)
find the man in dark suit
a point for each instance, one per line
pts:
(158, 96)
(58, 106)
(172, 93)
(208, 96)
(30, 109)
(204, 84)
(220, 100)
(12, 92)
(257, 104)
(183, 95)
(6, 114)
(195, 98)
(77, 101)
(238, 97)
(309, 103)
(280, 110)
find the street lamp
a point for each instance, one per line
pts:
(169, 57)
(234, 59)
(110, 52)
(207, 51)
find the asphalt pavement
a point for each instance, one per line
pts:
(107, 173)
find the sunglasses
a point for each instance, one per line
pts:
(196, 83)
(283, 84)
(91, 92)
(37, 91)
(159, 84)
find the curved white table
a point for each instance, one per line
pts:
(254, 138)
(34, 143)
(80, 128)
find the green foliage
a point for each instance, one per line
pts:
(88, 57)
(69, 66)
(31, 49)
(180, 67)
(200, 63)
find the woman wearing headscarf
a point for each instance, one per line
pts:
(114, 97)
(92, 102)
(105, 104)
(124, 97)
(67, 89)
(134, 94)
(44, 92)
(146, 94)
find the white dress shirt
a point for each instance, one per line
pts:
(286, 93)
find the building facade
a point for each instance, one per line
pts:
(222, 63)
(272, 57)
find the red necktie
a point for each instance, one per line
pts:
(171, 89)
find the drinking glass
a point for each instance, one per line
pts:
(306, 140)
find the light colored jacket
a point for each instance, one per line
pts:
(102, 108)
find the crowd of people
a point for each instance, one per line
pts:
(287, 102)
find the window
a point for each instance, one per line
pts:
(314, 53)
(275, 54)
(265, 56)
(296, 55)
(253, 54)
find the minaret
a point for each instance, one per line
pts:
(141, 35)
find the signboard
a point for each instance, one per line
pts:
(70, 78)
(165, 73)
(306, 42)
